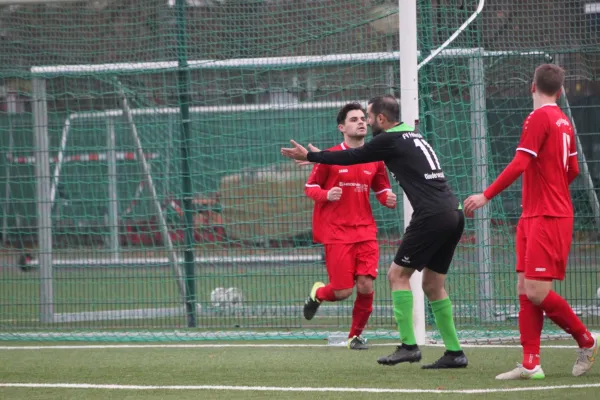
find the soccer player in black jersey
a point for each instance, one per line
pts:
(431, 237)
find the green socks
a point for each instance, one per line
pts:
(442, 311)
(403, 312)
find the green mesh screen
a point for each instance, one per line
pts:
(260, 73)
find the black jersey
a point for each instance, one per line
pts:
(412, 162)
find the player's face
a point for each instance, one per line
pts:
(355, 124)
(372, 122)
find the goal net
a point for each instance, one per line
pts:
(145, 198)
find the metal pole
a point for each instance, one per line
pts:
(59, 162)
(425, 106)
(113, 205)
(139, 152)
(43, 200)
(389, 73)
(585, 171)
(480, 183)
(183, 76)
(11, 109)
(168, 160)
(409, 97)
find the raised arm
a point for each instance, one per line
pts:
(378, 149)
(533, 136)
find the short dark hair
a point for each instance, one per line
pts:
(341, 117)
(386, 105)
(549, 79)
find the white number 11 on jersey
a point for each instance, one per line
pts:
(434, 163)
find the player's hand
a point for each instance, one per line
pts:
(298, 152)
(390, 200)
(474, 202)
(334, 194)
(303, 163)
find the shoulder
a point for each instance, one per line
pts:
(337, 147)
(536, 115)
(540, 117)
(385, 137)
(552, 116)
(547, 112)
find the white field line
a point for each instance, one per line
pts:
(288, 389)
(249, 345)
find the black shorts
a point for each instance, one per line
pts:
(430, 242)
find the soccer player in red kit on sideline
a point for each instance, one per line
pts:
(343, 222)
(547, 158)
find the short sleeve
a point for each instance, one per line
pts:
(381, 182)
(534, 133)
(318, 176)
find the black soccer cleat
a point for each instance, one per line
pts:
(402, 354)
(449, 360)
(311, 304)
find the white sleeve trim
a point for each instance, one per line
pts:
(309, 185)
(384, 190)
(572, 154)
(533, 153)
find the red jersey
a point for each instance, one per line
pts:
(350, 219)
(548, 136)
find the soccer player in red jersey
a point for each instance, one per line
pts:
(547, 158)
(343, 222)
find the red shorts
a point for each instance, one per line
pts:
(344, 261)
(543, 245)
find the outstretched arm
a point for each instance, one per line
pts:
(510, 174)
(378, 149)
(533, 136)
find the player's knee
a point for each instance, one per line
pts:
(536, 290)
(399, 275)
(364, 284)
(433, 290)
(343, 294)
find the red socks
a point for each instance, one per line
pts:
(531, 322)
(363, 306)
(326, 293)
(561, 313)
